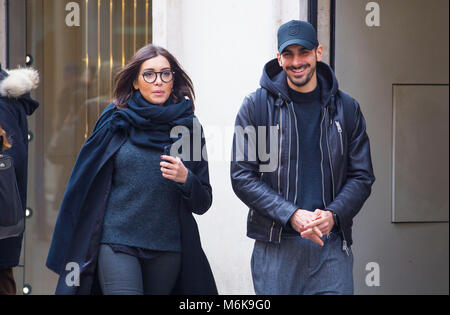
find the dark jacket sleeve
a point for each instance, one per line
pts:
(14, 123)
(245, 175)
(360, 177)
(197, 191)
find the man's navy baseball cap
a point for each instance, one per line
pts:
(297, 32)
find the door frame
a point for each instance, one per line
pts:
(16, 33)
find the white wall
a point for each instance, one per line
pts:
(223, 45)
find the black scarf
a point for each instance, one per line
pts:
(149, 125)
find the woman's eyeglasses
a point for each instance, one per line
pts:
(151, 76)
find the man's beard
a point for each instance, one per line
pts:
(308, 78)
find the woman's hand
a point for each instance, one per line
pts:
(174, 169)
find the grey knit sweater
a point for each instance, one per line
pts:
(142, 210)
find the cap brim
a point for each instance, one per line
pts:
(304, 43)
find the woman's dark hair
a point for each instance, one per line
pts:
(123, 82)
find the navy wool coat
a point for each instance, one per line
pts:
(15, 105)
(77, 235)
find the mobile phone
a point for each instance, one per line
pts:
(167, 150)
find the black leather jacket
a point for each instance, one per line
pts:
(347, 174)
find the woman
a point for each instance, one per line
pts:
(126, 224)
(15, 106)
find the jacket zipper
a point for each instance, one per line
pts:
(279, 164)
(298, 152)
(281, 147)
(323, 176)
(321, 161)
(329, 159)
(289, 166)
(289, 160)
(271, 231)
(289, 153)
(344, 241)
(338, 125)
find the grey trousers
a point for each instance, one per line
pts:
(298, 266)
(123, 274)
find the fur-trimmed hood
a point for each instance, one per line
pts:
(17, 82)
(15, 88)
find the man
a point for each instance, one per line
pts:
(301, 214)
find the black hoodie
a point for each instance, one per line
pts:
(274, 80)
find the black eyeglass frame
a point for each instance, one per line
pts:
(160, 75)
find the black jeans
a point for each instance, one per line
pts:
(123, 274)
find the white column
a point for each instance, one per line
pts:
(303, 8)
(323, 27)
(287, 10)
(223, 45)
(166, 25)
(293, 10)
